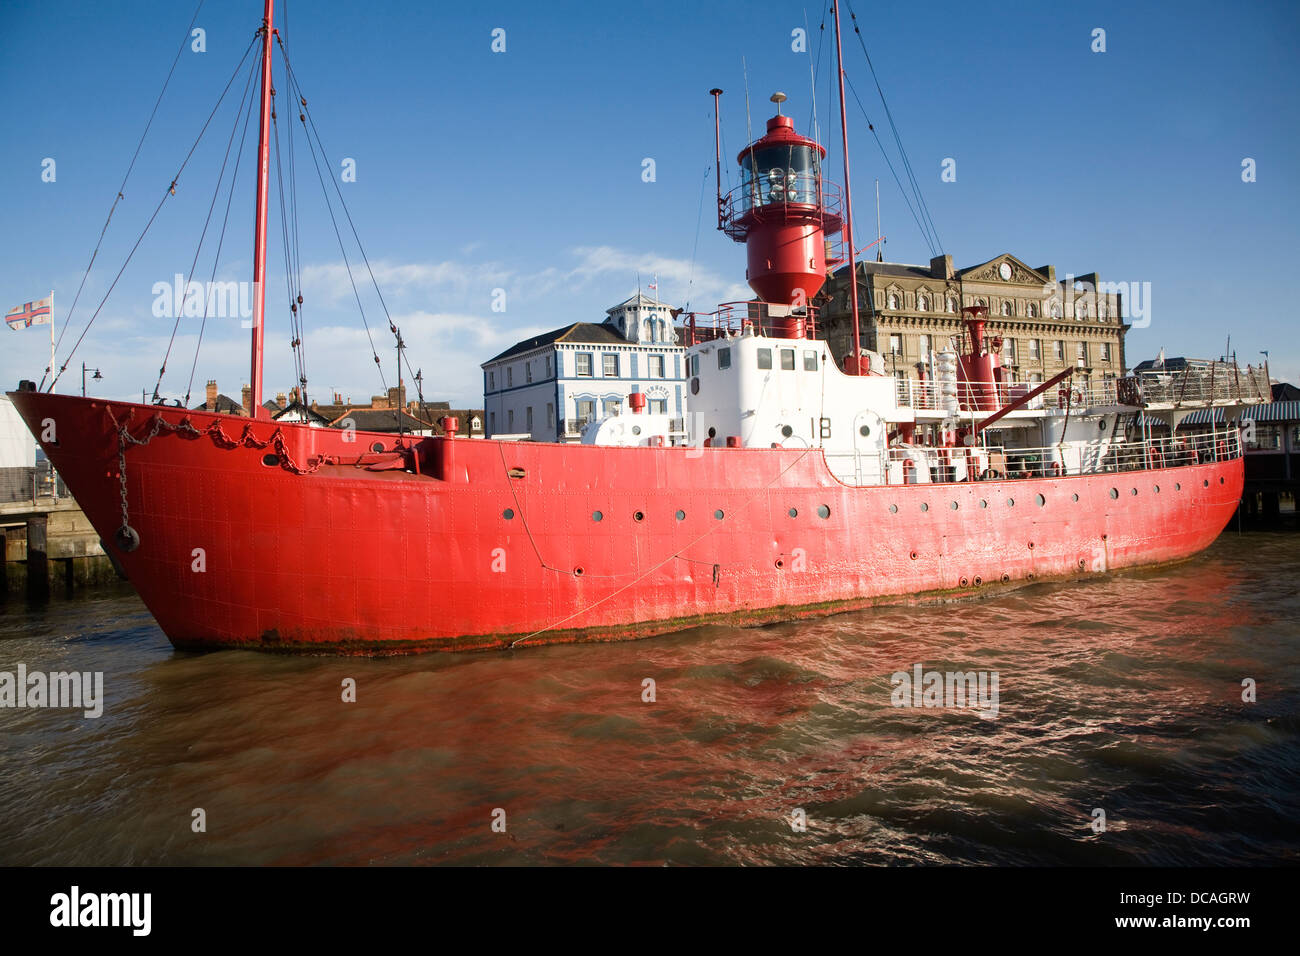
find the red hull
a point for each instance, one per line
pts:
(345, 559)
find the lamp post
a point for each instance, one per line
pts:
(97, 377)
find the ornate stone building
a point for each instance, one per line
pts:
(908, 312)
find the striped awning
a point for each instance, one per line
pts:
(1272, 412)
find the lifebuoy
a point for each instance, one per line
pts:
(990, 474)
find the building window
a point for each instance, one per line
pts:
(1081, 351)
(610, 361)
(764, 358)
(510, 376)
(550, 413)
(923, 303)
(492, 421)
(528, 372)
(1056, 310)
(810, 361)
(952, 305)
(925, 346)
(510, 421)
(658, 406)
(1035, 379)
(1009, 350)
(492, 381)
(1058, 351)
(724, 358)
(584, 364)
(586, 410)
(656, 366)
(1006, 308)
(1105, 351)
(1032, 310)
(613, 406)
(528, 419)
(548, 366)
(1035, 349)
(895, 343)
(893, 300)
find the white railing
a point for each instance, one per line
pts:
(1218, 382)
(928, 396)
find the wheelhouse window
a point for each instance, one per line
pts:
(810, 361)
(764, 358)
(724, 357)
(787, 359)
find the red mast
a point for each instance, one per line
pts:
(259, 236)
(852, 367)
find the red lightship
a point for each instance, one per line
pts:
(803, 488)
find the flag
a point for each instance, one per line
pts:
(31, 313)
(655, 284)
(1160, 359)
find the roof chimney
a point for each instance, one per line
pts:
(211, 403)
(248, 397)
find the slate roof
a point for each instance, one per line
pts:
(581, 332)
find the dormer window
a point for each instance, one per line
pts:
(923, 303)
(1032, 310)
(1006, 308)
(952, 305)
(1056, 310)
(893, 300)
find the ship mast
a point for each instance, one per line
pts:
(853, 367)
(259, 237)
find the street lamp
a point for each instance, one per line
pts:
(97, 377)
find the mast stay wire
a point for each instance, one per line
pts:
(120, 195)
(170, 191)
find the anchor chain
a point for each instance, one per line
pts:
(126, 537)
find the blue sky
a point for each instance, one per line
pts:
(522, 170)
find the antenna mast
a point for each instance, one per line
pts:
(854, 367)
(259, 236)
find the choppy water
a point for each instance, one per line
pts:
(1121, 693)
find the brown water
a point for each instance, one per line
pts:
(1121, 693)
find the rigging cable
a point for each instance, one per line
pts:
(170, 191)
(120, 196)
(179, 307)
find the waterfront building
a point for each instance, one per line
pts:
(1045, 324)
(547, 387)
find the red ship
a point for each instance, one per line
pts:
(804, 488)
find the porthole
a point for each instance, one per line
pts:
(954, 506)
(787, 431)
(1220, 480)
(713, 432)
(864, 430)
(779, 564)
(636, 429)
(1011, 502)
(964, 582)
(1206, 482)
(377, 446)
(925, 506)
(913, 555)
(508, 514)
(1156, 489)
(893, 509)
(681, 515)
(638, 516)
(1178, 486)
(1031, 546)
(1074, 497)
(977, 580)
(577, 572)
(794, 512)
(1041, 500)
(270, 460)
(718, 514)
(596, 516)
(983, 503)
(1133, 491)
(1114, 492)
(1005, 577)
(823, 511)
